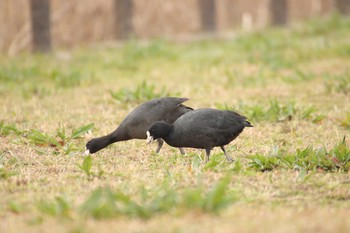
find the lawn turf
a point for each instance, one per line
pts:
(291, 171)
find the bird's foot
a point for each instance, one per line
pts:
(229, 159)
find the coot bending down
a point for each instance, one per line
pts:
(202, 128)
(138, 121)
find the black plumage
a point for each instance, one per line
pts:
(202, 128)
(137, 122)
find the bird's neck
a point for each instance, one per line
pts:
(103, 142)
(116, 136)
(168, 135)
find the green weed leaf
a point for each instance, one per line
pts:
(217, 198)
(42, 139)
(81, 130)
(86, 165)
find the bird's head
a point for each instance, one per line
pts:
(158, 130)
(93, 146)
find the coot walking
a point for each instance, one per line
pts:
(204, 128)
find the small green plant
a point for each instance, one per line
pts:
(263, 162)
(196, 163)
(61, 142)
(15, 207)
(338, 84)
(336, 159)
(141, 93)
(60, 207)
(105, 203)
(308, 159)
(75, 134)
(5, 173)
(274, 111)
(61, 134)
(67, 79)
(340, 156)
(42, 139)
(69, 146)
(100, 204)
(217, 197)
(237, 166)
(311, 159)
(86, 166)
(78, 132)
(8, 129)
(213, 162)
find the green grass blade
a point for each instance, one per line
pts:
(76, 133)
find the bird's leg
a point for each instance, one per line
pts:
(207, 152)
(182, 151)
(229, 158)
(160, 144)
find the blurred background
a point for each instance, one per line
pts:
(41, 25)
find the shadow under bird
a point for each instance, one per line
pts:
(138, 121)
(204, 128)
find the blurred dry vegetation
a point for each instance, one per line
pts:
(75, 22)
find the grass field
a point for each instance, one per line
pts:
(291, 171)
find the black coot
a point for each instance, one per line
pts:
(202, 128)
(138, 121)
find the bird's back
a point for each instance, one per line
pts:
(206, 128)
(142, 117)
